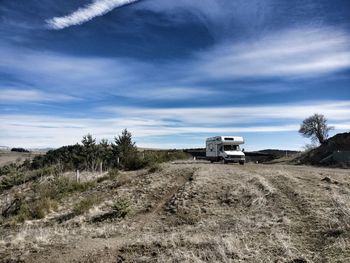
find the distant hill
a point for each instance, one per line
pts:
(41, 150)
(4, 148)
(255, 156)
(268, 155)
(336, 152)
(278, 153)
(20, 150)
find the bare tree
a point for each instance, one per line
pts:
(316, 128)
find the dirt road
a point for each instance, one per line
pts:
(201, 212)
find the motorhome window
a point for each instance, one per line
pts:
(231, 147)
(228, 139)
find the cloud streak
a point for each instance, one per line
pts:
(31, 95)
(149, 125)
(212, 116)
(87, 13)
(301, 52)
(289, 54)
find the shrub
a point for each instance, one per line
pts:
(41, 207)
(155, 168)
(12, 175)
(35, 209)
(103, 178)
(61, 186)
(134, 162)
(152, 157)
(45, 198)
(121, 208)
(112, 175)
(84, 205)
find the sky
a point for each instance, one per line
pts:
(172, 72)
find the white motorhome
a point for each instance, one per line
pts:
(225, 149)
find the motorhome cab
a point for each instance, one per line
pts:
(225, 149)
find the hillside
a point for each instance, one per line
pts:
(338, 143)
(184, 211)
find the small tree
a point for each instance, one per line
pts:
(89, 151)
(105, 152)
(125, 149)
(316, 128)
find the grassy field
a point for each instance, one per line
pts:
(189, 211)
(7, 157)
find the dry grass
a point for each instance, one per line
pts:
(195, 212)
(7, 157)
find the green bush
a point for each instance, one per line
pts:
(134, 162)
(155, 168)
(8, 169)
(112, 175)
(46, 195)
(61, 186)
(121, 208)
(29, 210)
(84, 205)
(152, 157)
(13, 175)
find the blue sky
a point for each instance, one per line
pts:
(172, 72)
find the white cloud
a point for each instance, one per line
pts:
(218, 16)
(31, 95)
(68, 74)
(302, 52)
(337, 111)
(48, 131)
(149, 125)
(171, 93)
(85, 14)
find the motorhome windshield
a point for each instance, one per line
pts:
(231, 148)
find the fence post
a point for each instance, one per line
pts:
(77, 176)
(101, 170)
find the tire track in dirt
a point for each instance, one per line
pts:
(94, 250)
(306, 226)
(253, 211)
(180, 182)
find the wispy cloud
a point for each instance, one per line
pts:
(67, 74)
(87, 13)
(338, 111)
(149, 125)
(172, 93)
(31, 95)
(218, 16)
(292, 53)
(301, 52)
(50, 131)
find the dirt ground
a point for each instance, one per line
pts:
(198, 212)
